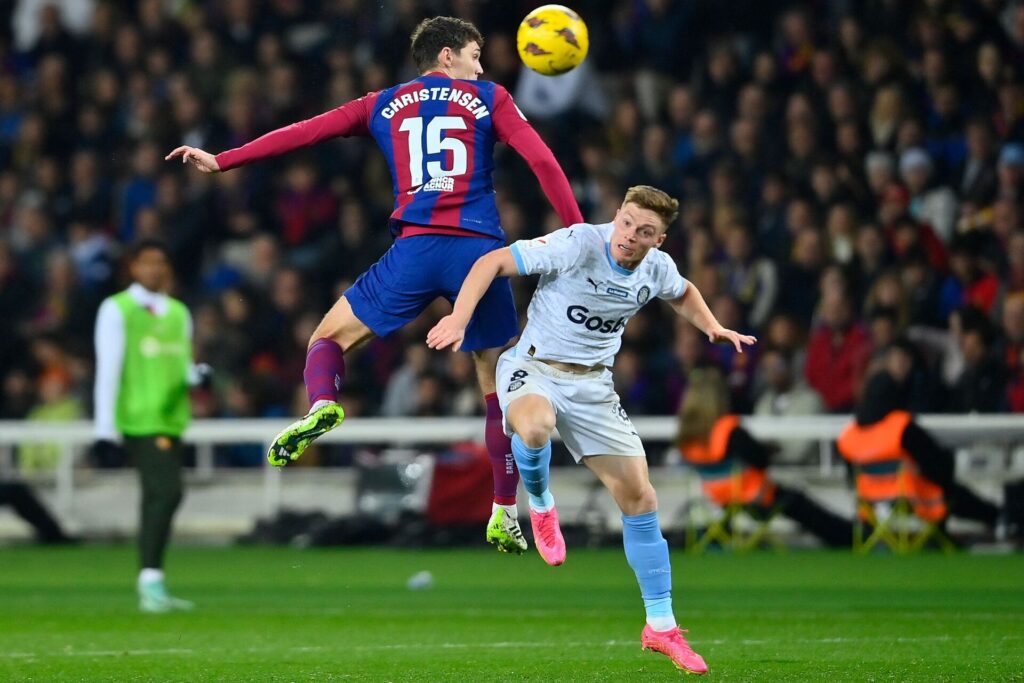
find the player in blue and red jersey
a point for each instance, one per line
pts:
(438, 133)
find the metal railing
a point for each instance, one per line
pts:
(72, 438)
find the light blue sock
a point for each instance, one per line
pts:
(534, 464)
(647, 554)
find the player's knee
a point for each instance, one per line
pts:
(536, 428)
(533, 420)
(637, 498)
(537, 433)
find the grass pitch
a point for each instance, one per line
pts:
(268, 614)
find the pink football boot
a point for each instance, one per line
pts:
(547, 535)
(673, 645)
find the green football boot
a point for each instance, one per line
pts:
(296, 437)
(503, 532)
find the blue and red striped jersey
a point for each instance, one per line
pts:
(438, 136)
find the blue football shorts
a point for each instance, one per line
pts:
(416, 270)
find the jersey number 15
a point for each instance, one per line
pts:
(435, 145)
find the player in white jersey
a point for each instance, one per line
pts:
(593, 279)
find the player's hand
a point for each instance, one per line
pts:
(723, 336)
(204, 161)
(447, 332)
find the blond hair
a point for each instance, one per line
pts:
(653, 199)
(706, 400)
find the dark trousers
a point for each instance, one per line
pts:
(159, 461)
(829, 528)
(938, 465)
(20, 497)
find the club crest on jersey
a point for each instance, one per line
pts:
(643, 295)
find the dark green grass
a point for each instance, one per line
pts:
(286, 615)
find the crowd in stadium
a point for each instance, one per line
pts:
(851, 175)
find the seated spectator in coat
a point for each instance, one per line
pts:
(970, 282)
(882, 415)
(838, 353)
(785, 394)
(981, 386)
(750, 278)
(930, 202)
(733, 465)
(904, 232)
(799, 279)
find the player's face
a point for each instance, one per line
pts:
(151, 270)
(465, 63)
(636, 232)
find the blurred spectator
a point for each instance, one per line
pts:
(981, 386)
(751, 280)
(932, 204)
(882, 416)
(837, 354)
(968, 282)
(400, 395)
(977, 174)
(786, 394)
(56, 404)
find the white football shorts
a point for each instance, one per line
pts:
(588, 414)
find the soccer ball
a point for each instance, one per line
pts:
(552, 40)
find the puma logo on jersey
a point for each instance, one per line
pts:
(595, 284)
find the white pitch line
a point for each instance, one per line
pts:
(488, 646)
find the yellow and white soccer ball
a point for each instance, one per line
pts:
(552, 40)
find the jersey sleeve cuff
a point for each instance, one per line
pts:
(520, 264)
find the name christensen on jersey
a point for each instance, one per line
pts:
(584, 298)
(466, 99)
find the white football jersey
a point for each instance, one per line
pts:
(584, 298)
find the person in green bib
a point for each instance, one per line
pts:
(144, 370)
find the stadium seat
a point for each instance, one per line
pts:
(736, 526)
(897, 508)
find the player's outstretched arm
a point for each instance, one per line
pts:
(348, 119)
(451, 329)
(202, 160)
(691, 305)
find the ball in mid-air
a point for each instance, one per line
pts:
(552, 40)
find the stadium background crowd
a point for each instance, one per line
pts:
(851, 176)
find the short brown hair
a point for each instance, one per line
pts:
(653, 199)
(436, 33)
